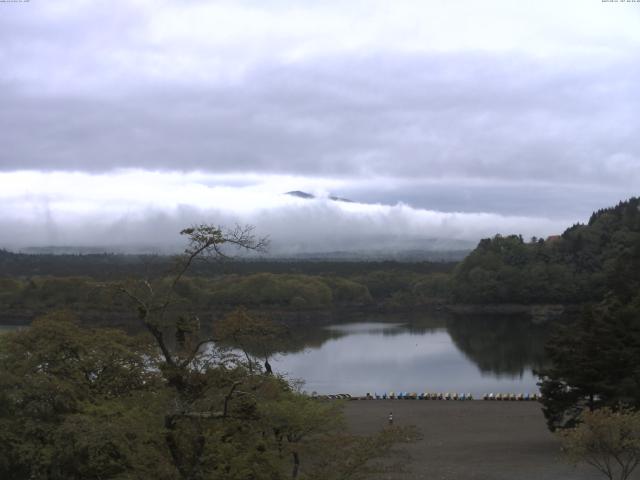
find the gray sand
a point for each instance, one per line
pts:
(479, 440)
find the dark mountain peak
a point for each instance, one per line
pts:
(340, 199)
(301, 194)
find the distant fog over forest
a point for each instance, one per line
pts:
(149, 213)
(442, 123)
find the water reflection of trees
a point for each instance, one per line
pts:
(300, 338)
(498, 345)
(502, 345)
(315, 336)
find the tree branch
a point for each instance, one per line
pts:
(227, 398)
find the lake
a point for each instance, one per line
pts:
(431, 352)
(470, 355)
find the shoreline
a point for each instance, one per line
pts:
(476, 440)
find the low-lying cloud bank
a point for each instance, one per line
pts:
(133, 209)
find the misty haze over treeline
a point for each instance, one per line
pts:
(146, 217)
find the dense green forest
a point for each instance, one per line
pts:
(110, 266)
(593, 361)
(34, 284)
(578, 266)
(21, 298)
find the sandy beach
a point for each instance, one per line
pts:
(478, 440)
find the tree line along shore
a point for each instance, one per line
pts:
(504, 274)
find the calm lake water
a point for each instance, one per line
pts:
(416, 354)
(472, 355)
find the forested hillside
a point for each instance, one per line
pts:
(593, 361)
(296, 286)
(580, 265)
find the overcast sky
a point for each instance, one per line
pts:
(120, 122)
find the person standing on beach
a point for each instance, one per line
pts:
(390, 418)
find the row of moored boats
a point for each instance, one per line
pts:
(500, 397)
(452, 396)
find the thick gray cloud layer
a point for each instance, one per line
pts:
(462, 108)
(427, 115)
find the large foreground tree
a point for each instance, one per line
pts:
(86, 403)
(594, 362)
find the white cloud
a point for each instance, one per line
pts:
(149, 208)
